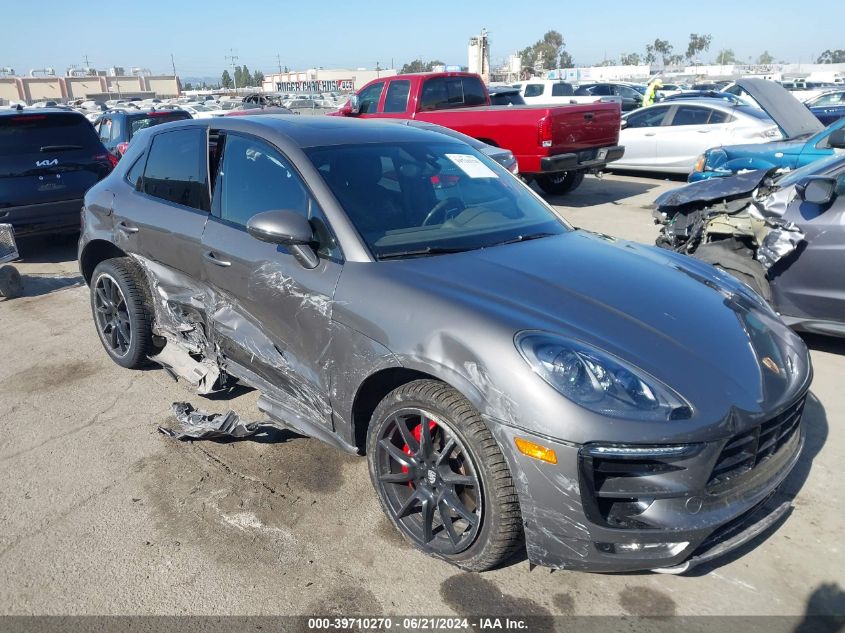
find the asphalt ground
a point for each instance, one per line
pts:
(102, 514)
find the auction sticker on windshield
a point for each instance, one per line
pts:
(471, 166)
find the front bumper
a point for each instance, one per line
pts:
(686, 515)
(49, 217)
(581, 161)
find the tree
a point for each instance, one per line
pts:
(631, 59)
(697, 44)
(188, 86)
(257, 78)
(226, 79)
(832, 57)
(419, 66)
(246, 77)
(765, 58)
(726, 56)
(546, 53)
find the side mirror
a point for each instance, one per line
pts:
(817, 190)
(286, 228)
(836, 140)
(624, 124)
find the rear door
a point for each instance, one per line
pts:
(163, 214)
(691, 130)
(395, 105)
(47, 158)
(275, 317)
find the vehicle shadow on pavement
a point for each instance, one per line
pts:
(820, 343)
(815, 425)
(39, 285)
(48, 249)
(595, 191)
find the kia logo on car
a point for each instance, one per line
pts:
(46, 163)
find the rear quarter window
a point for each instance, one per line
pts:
(534, 90)
(38, 133)
(176, 169)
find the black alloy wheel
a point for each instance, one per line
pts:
(429, 482)
(112, 315)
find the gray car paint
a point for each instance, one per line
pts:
(315, 337)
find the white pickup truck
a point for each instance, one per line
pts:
(554, 92)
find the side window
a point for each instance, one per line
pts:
(691, 115)
(177, 168)
(627, 93)
(717, 116)
(651, 117)
(105, 130)
(255, 177)
(561, 90)
(396, 99)
(602, 90)
(534, 90)
(133, 176)
(440, 93)
(834, 98)
(369, 96)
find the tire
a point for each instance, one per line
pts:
(737, 260)
(490, 501)
(560, 183)
(11, 285)
(128, 311)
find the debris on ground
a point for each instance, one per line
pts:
(195, 424)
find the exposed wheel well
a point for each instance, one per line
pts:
(95, 252)
(372, 391)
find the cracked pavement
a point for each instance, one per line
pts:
(102, 514)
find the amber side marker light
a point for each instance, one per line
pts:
(536, 451)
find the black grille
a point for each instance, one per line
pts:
(747, 450)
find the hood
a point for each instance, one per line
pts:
(694, 328)
(792, 117)
(713, 189)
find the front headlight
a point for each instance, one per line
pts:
(599, 381)
(714, 158)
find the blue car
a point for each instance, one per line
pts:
(805, 138)
(829, 107)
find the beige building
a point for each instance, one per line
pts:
(55, 88)
(317, 80)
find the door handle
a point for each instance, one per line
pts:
(125, 228)
(589, 116)
(210, 256)
(650, 134)
(704, 131)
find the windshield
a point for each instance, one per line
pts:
(421, 198)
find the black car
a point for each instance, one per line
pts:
(117, 127)
(631, 97)
(506, 95)
(49, 158)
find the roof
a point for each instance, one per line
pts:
(306, 131)
(37, 111)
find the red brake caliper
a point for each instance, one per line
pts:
(417, 433)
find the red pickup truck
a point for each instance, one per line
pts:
(554, 145)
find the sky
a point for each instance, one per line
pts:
(350, 34)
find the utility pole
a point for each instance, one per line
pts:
(233, 58)
(87, 65)
(173, 64)
(279, 60)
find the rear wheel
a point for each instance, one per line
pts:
(11, 285)
(560, 183)
(736, 259)
(441, 477)
(122, 311)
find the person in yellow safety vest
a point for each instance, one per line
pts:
(653, 86)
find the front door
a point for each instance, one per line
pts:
(273, 316)
(811, 286)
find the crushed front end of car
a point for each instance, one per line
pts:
(746, 209)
